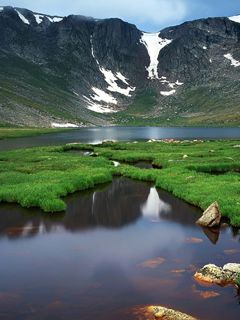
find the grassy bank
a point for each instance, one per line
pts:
(197, 172)
(6, 133)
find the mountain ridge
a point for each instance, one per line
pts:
(86, 71)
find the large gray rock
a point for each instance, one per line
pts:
(211, 216)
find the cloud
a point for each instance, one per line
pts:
(150, 13)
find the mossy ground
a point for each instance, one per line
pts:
(195, 171)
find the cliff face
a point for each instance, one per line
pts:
(87, 71)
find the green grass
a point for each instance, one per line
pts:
(41, 177)
(25, 132)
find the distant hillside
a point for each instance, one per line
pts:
(78, 71)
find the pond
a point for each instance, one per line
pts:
(117, 247)
(96, 135)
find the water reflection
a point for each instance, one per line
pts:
(96, 135)
(154, 206)
(106, 254)
(116, 205)
(111, 206)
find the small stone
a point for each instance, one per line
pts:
(116, 163)
(211, 216)
(185, 156)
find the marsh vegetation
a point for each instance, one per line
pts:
(199, 172)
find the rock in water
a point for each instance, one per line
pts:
(169, 314)
(221, 276)
(211, 274)
(211, 217)
(232, 267)
(159, 312)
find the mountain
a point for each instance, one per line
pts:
(79, 70)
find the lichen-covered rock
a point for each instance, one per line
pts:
(211, 216)
(232, 267)
(211, 273)
(159, 312)
(169, 314)
(214, 274)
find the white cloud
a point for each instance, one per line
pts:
(152, 13)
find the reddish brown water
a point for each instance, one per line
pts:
(118, 247)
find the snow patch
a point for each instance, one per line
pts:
(22, 17)
(122, 78)
(96, 107)
(204, 48)
(171, 84)
(39, 18)
(154, 44)
(112, 79)
(234, 62)
(63, 125)
(235, 18)
(55, 19)
(101, 95)
(167, 93)
(178, 83)
(1, 9)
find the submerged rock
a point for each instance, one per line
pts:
(211, 216)
(159, 312)
(217, 275)
(169, 314)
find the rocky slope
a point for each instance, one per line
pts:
(77, 70)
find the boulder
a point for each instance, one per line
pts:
(211, 216)
(232, 267)
(169, 314)
(217, 275)
(159, 312)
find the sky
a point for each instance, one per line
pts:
(148, 15)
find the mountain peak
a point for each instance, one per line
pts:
(235, 18)
(107, 71)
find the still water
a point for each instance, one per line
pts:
(117, 247)
(96, 135)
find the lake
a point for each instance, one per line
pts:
(96, 135)
(119, 246)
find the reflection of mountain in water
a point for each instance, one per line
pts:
(117, 205)
(180, 212)
(154, 206)
(121, 203)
